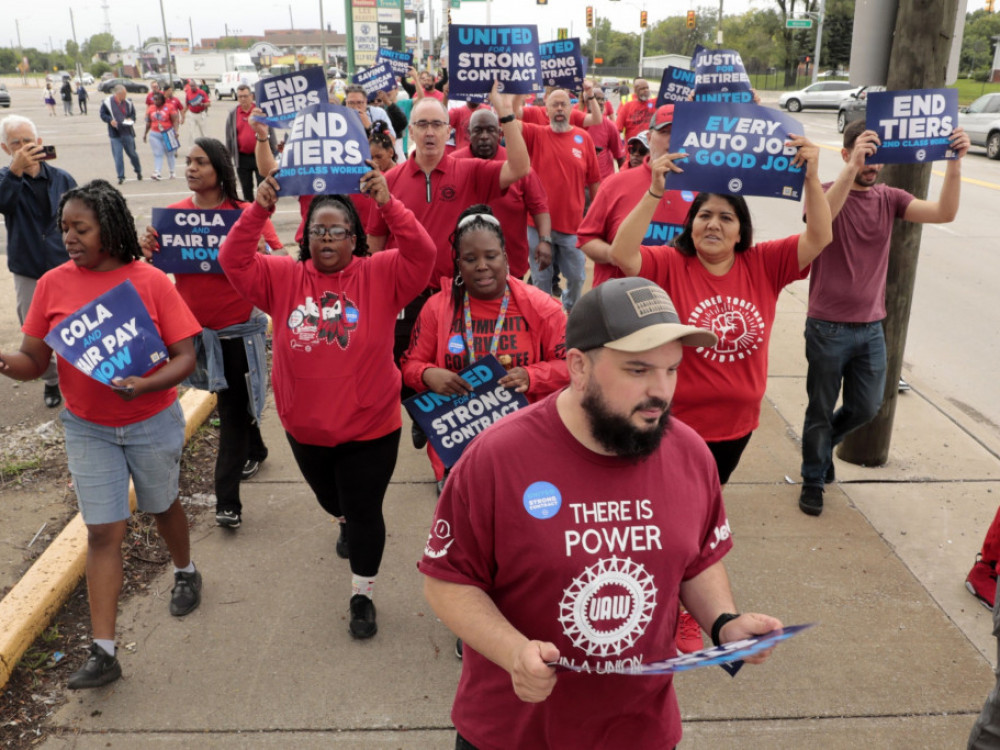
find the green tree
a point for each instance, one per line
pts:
(616, 48)
(976, 56)
(99, 68)
(98, 44)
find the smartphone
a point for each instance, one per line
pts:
(48, 152)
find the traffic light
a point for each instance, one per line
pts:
(590, 16)
(642, 19)
(989, 6)
(691, 22)
(542, 2)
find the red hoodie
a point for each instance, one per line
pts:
(333, 375)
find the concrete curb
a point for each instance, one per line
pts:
(30, 606)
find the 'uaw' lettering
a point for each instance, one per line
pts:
(722, 533)
(83, 325)
(630, 538)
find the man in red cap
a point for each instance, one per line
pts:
(633, 115)
(618, 196)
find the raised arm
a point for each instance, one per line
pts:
(865, 145)
(946, 207)
(262, 149)
(819, 226)
(518, 162)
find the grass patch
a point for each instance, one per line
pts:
(16, 468)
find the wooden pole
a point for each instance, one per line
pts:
(919, 60)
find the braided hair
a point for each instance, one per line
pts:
(118, 236)
(222, 162)
(475, 215)
(344, 204)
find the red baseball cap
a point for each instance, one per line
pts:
(662, 117)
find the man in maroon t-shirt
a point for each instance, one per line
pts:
(633, 115)
(580, 554)
(845, 342)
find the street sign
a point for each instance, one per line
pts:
(798, 23)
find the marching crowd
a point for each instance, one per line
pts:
(644, 391)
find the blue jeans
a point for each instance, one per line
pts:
(126, 144)
(572, 265)
(848, 353)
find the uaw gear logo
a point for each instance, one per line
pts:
(439, 540)
(333, 319)
(608, 607)
(738, 324)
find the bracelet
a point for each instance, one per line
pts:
(719, 623)
(546, 240)
(259, 139)
(650, 191)
(507, 118)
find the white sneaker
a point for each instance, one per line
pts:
(155, 176)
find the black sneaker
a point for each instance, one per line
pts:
(99, 669)
(831, 474)
(418, 436)
(52, 396)
(343, 551)
(250, 469)
(362, 617)
(229, 519)
(185, 596)
(121, 180)
(811, 500)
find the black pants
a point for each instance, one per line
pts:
(246, 172)
(350, 480)
(727, 455)
(404, 327)
(239, 433)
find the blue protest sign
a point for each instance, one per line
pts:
(735, 148)
(110, 337)
(401, 62)
(729, 656)
(282, 97)
(562, 63)
(676, 85)
(450, 422)
(720, 76)
(325, 153)
(479, 54)
(914, 126)
(190, 239)
(376, 78)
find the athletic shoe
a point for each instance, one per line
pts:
(250, 469)
(343, 551)
(811, 500)
(121, 180)
(51, 396)
(229, 519)
(185, 596)
(138, 176)
(688, 634)
(831, 474)
(155, 176)
(99, 669)
(418, 436)
(903, 386)
(362, 617)
(982, 582)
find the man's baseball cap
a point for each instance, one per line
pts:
(641, 138)
(629, 315)
(662, 117)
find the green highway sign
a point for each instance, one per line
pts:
(798, 23)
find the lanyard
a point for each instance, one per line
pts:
(467, 313)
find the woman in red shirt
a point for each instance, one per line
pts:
(520, 325)
(162, 119)
(230, 327)
(335, 385)
(133, 430)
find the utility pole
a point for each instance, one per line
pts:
(76, 57)
(322, 35)
(921, 44)
(166, 42)
(820, 18)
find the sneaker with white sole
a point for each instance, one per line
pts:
(229, 519)
(250, 469)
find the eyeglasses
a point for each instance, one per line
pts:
(335, 233)
(425, 124)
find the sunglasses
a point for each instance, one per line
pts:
(635, 148)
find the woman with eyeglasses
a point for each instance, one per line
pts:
(335, 384)
(231, 348)
(482, 310)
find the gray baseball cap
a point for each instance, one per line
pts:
(629, 315)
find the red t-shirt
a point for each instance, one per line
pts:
(438, 199)
(619, 194)
(246, 138)
(64, 290)
(848, 277)
(210, 296)
(193, 93)
(458, 119)
(609, 146)
(540, 116)
(161, 119)
(524, 198)
(719, 390)
(566, 163)
(586, 551)
(634, 117)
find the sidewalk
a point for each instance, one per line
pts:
(896, 662)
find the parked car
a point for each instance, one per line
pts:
(131, 86)
(232, 79)
(162, 78)
(823, 95)
(58, 77)
(4, 96)
(854, 107)
(981, 120)
(88, 80)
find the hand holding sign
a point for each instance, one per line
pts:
(267, 191)
(807, 154)
(445, 382)
(373, 184)
(865, 146)
(503, 104)
(516, 379)
(659, 167)
(260, 127)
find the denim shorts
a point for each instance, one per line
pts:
(101, 460)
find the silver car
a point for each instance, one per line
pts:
(981, 120)
(823, 95)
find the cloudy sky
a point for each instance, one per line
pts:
(45, 24)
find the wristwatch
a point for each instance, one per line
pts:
(507, 118)
(545, 239)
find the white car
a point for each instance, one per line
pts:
(88, 80)
(822, 95)
(981, 120)
(232, 79)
